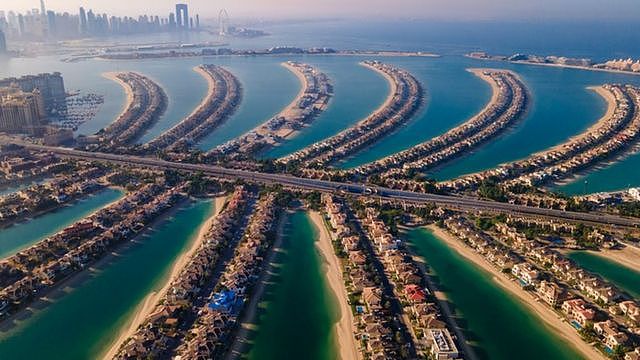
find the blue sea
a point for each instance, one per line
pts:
(561, 107)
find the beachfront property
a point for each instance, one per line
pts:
(222, 99)
(50, 261)
(156, 333)
(583, 298)
(147, 101)
(403, 102)
(311, 101)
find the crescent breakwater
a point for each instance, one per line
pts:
(405, 97)
(223, 97)
(508, 104)
(146, 102)
(312, 99)
(614, 132)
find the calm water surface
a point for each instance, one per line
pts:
(86, 317)
(24, 234)
(498, 325)
(298, 313)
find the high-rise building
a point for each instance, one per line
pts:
(3, 43)
(197, 21)
(83, 21)
(50, 86)
(172, 21)
(51, 23)
(20, 111)
(182, 16)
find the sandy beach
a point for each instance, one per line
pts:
(393, 87)
(290, 109)
(560, 327)
(344, 327)
(628, 256)
(73, 281)
(495, 90)
(611, 107)
(211, 87)
(151, 300)
(113, 75)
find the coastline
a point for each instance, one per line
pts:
(247, 321)
(72, 282)
(561, 66)
(123, 193)
(560, 328)
(343, 329)
(151, 300)
(611, 108)
(113, 76)
(495, 90)
(628, 256)
(210, 92)
(304, 84)
(393, 88)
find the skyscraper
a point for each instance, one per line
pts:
(51, 23)
(182, 16)
(172, 21)
(83, 21)
(3, 43)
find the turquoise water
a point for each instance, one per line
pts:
(349, 104)
(24, 234)
(498, 325)
(85, 318)
(562, 107)
(19, 186)
(267, 87)
(298, 312)
(452, 95)
(616, 176)
(623, 277)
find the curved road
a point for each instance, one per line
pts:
(447, 201)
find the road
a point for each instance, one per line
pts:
(447, 201)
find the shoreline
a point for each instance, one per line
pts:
(123, 193)
(561, 66)
(628, 256)
(211, 85)
(113, 76)
(247, 321)
(393, 88)
(495, 90)
(343, 329)
(148, 304)
(611, 106)
(72, 281)
(610, 101)
(286, 112)
(551, 320)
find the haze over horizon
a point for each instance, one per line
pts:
(418, 9)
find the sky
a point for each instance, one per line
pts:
(531, 10)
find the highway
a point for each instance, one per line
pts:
(447, 201)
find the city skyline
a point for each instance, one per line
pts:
(429, 9)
